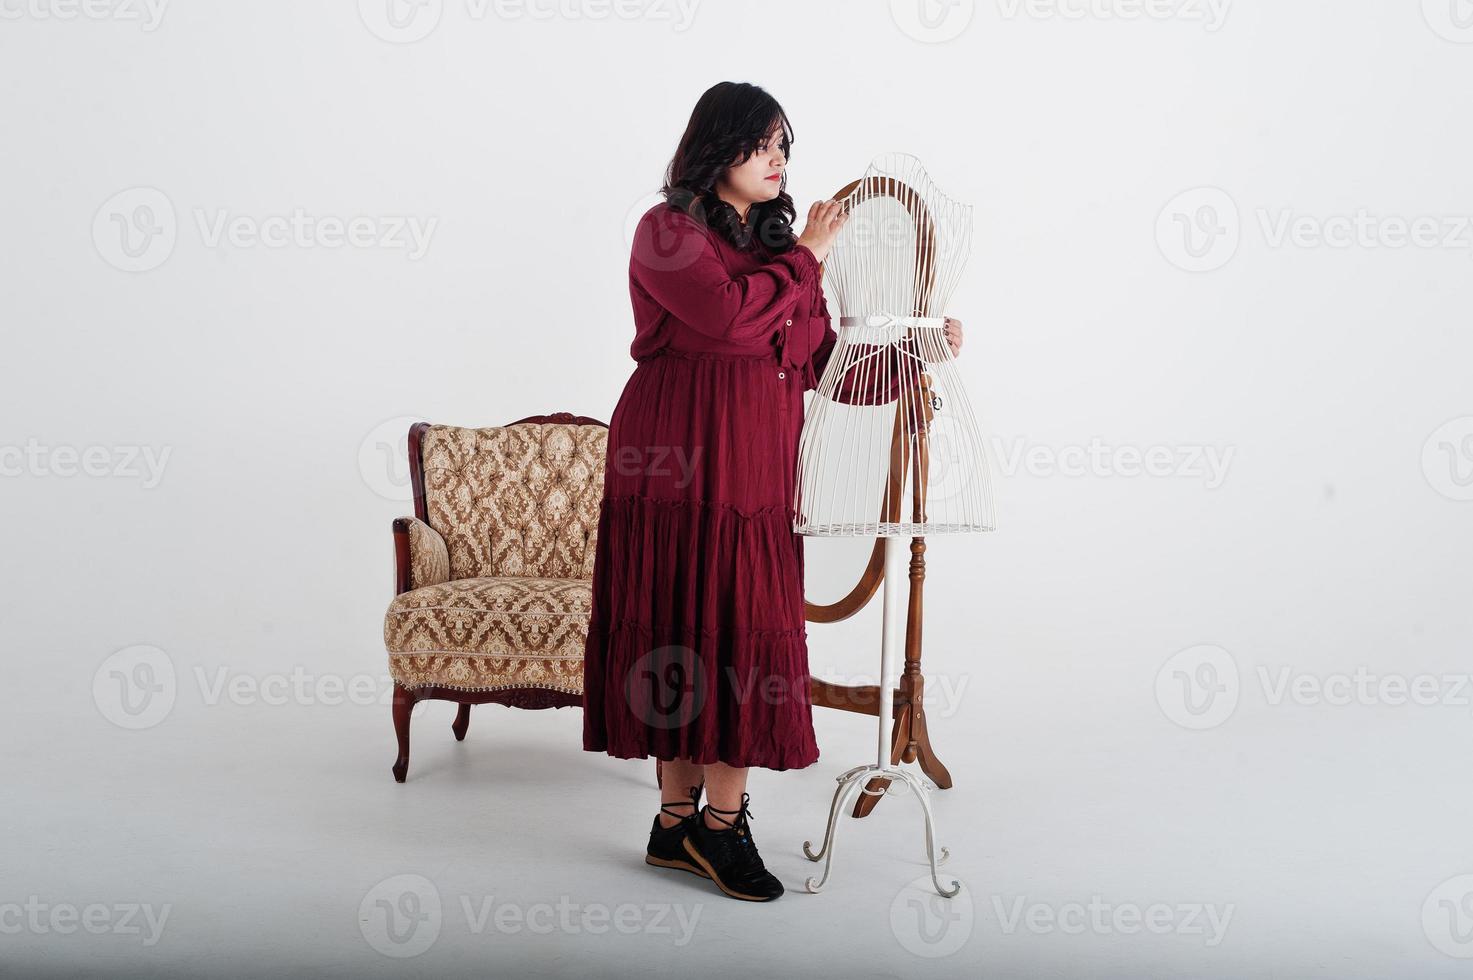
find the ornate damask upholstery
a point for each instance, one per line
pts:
(496, 587)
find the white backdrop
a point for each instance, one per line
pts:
(1204, 693)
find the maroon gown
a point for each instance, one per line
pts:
(696, 645)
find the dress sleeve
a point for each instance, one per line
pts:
(676, 263)
(825, 347)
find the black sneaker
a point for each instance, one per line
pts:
(665, 848)
(729, 856)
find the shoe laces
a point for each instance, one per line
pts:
(695, 795)
(737, 838)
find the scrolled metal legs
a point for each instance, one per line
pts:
(851, 784)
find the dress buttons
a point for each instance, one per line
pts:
(781, 375)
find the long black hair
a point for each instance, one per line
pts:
(727, 124)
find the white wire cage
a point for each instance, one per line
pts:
(890, 445)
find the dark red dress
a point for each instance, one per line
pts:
(696, 644)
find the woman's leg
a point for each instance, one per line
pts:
(678, 781)
(724, 788)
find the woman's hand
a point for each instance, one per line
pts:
(952, 331)
(825, 218)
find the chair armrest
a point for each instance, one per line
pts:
(420, 555)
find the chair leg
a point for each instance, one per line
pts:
(462, 722)
(403, 705)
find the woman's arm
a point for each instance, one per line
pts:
(675, 262)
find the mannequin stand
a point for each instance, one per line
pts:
(884, 773)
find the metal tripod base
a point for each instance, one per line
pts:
(854, 782)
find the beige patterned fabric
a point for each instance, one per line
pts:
(501, 576)
(517, 499)
(429, 562)
(483, 634)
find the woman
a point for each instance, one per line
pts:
(696, 650)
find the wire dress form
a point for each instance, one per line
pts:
(890, 447)
(890, 423)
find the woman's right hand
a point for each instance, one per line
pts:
(825, 218)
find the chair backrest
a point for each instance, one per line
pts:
(520, 499)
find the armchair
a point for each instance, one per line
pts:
(493, 573)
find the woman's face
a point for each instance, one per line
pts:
(760, 177)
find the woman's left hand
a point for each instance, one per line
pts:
(953, 333)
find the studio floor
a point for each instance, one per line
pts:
(246, 838)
